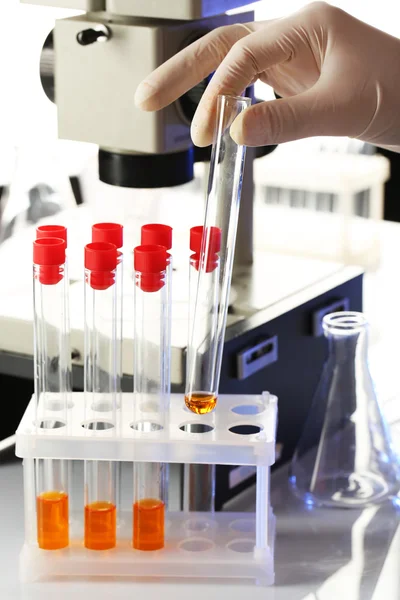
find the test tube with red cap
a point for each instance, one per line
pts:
(203, 344)
(151, 398)
(219, 231)
(100, 390)
(60, 232)
(51, 379)
(113, 233)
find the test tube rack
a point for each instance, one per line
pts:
(198, 545)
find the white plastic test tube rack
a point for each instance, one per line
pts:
(197, 545)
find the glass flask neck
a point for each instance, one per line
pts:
(347, 335)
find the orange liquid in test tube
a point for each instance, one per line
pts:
(148, 524)
(52, 520)
(200, 403)
(100, 526)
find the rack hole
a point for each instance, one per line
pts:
(248, 409)
(243, 526)
(98, 425)
(197, 525)
(245, 429)
(196, 545)
(51, 424)
(196, 427)
(146, 426)
(243, 546)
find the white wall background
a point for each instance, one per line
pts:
(25, 111)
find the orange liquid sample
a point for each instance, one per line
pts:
(201, 403)
(52, 520)
(100, 526)
(148, 524)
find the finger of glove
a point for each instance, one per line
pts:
(190, 66)
(241, 66)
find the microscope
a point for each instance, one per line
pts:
(91, 66)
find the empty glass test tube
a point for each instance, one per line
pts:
(52, 373)
(222, 212)
(151, 400)
(100, 387)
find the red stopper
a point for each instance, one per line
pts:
(112, 233)
(101, 260)
(52, 231)
(150, 261)
(49, 255)
(156, 234)
(214, 246)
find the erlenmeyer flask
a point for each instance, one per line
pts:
(344, 457)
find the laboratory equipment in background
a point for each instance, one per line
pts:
(52, 391)
(321, 203)
(100, 390)
(345, 456)
(40, 187)
(136, 149)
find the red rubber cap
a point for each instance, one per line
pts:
(196, 235)
(150, 262)
(101, 260)
(156, 234)
(112, 233)
(100, 256)
(52, 231)
(49, 255)
(49, 251)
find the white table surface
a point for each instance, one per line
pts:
(320, 555)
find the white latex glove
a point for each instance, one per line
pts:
(337, 77)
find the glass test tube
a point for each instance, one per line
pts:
(203, 305)
(100, 387)
(151, 401)
(52, 381)
(161, 235)
(222, 212)
(112, 233)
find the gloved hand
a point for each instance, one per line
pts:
(337, 77)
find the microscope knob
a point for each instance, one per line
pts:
(88, 36)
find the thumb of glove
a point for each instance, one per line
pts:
(311, 113)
